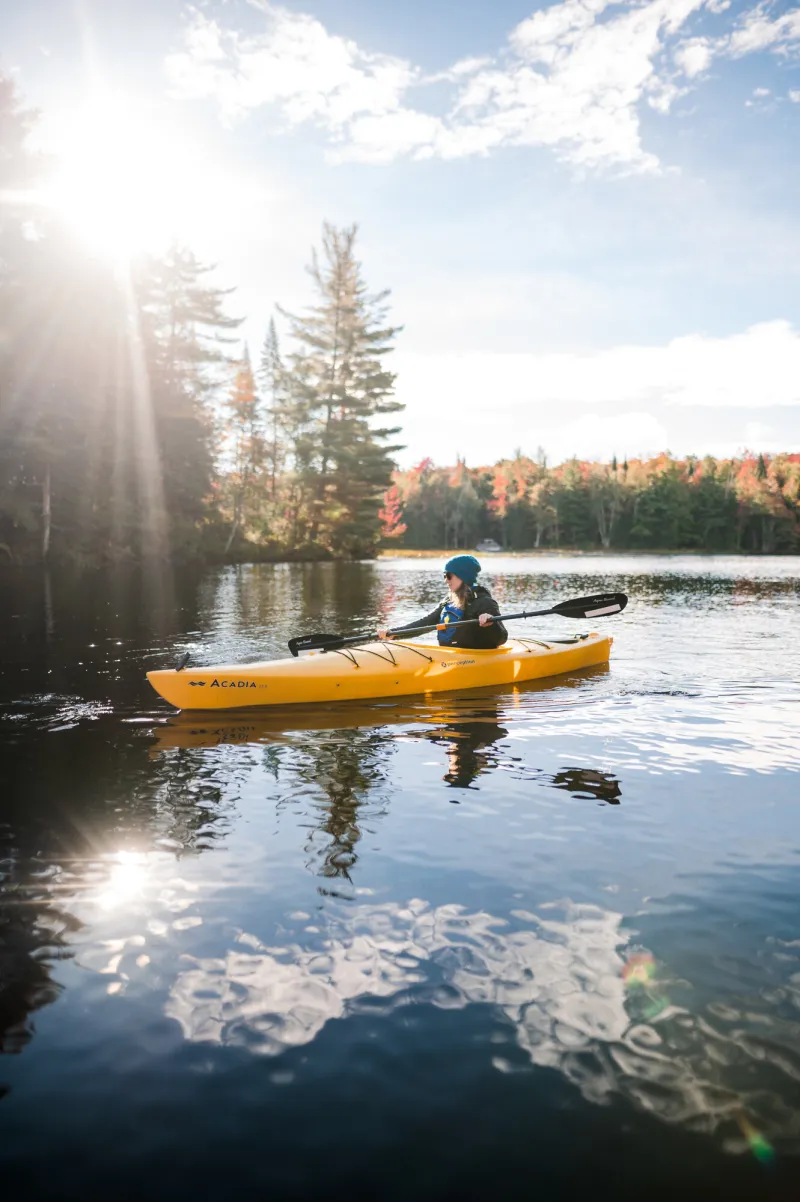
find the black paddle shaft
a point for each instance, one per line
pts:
(597, 606)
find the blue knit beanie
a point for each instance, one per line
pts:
(466, 567)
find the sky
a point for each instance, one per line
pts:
(586, 212)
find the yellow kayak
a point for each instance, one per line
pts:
(476, 707)
(380, 669)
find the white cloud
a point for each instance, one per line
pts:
(295, 64)
(572, 77)
(693, 56)
(794, 95)
(757, 368)
(758, 31)
(464, 66)
(596, 436)
(758, 434)
(382, 137)
(530, 395)
(574, 83)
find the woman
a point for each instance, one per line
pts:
(467, 601)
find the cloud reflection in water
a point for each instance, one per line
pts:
(557, 976)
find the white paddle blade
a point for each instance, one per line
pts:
(600, 613)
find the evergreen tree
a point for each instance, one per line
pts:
(338, 387)
(247, 446)
(273, 384)
(463, 509)
(658, 504)
(183, 333)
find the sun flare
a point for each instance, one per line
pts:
(126, 879)
(127, 185)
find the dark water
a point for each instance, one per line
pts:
(534, 943)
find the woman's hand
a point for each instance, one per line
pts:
(485, 620)
(383, 634)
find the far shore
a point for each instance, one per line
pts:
(575, 552)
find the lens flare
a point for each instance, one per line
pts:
(638, 971)
(759, 1145)
(657, 1007)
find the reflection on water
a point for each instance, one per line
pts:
(612, 900)
(558, 977)
(589, 782)
(341, 776)
(33, 933)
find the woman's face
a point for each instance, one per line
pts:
(454, 583)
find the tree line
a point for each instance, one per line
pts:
(133, 424)
(746, 504)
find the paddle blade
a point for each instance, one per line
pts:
(314, 642)
(601, 605)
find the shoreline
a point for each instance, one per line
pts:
(386, 555)
(486, 557)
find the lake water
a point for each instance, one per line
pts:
(494, 945)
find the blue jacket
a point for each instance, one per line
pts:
(478, 601)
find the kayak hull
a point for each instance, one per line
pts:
(440, 712)
(376, 670)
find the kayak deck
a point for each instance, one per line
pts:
(376, 670)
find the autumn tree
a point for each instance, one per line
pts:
(391, 515)
(748, 504)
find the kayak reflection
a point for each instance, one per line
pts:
(471, 729)
(344, 770)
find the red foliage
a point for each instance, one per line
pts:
(391, 515)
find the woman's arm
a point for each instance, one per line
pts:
(431, 619)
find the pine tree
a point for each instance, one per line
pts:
(183, 335)
(338, 387)
(245, 429)
(273, 384)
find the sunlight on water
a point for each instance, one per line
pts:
(126, 880)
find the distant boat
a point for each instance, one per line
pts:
(488, 546)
